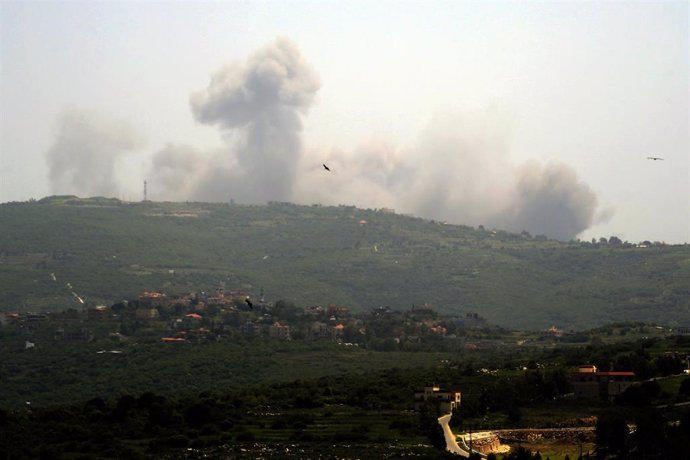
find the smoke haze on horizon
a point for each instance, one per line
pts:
(499, 114)
(87, 146)
(459, 170)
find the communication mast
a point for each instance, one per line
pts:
(145, 192)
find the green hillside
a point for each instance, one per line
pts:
(108, 250)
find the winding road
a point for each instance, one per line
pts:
(451, 443)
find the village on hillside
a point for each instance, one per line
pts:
(227, 314)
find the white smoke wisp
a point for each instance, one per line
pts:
(459, 171)
(83, 157)
(176, 171)
(264, 99)
(367, 177)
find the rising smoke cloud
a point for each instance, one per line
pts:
(83, 157)
(264, 100)
(259, 105)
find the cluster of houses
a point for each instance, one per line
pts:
(232, 312)
(223, 314)
(200, 316)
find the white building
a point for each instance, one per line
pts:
(446, 399)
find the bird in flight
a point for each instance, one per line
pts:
(654, 158)
(326, 167)
(249, 302)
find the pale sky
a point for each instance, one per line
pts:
(466, 103)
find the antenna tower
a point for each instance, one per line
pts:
(145, 193)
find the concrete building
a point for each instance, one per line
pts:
(589, 383)
(279, 331)
(146, 313)
(447, 400)
(151, 299)
(320, 330)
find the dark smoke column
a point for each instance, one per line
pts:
(265, 98)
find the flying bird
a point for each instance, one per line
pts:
(249, 302)
(326, 167)
(654, 158)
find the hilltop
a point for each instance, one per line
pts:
(108, 250)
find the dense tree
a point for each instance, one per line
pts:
(428, 424)
(611, 433)
(684, 388)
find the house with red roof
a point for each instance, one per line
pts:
(338, 331)
(151, 299)
(590, 383)
(173, 339)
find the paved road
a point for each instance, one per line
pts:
(666, 406)
(451, 443)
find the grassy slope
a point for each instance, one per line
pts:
(63, 372)
(320, 255)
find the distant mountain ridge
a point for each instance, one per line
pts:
(108, 250)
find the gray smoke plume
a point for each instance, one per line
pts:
(549, 200)
(263, 98)
(83, 157)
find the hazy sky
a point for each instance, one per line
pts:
(517, 115)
